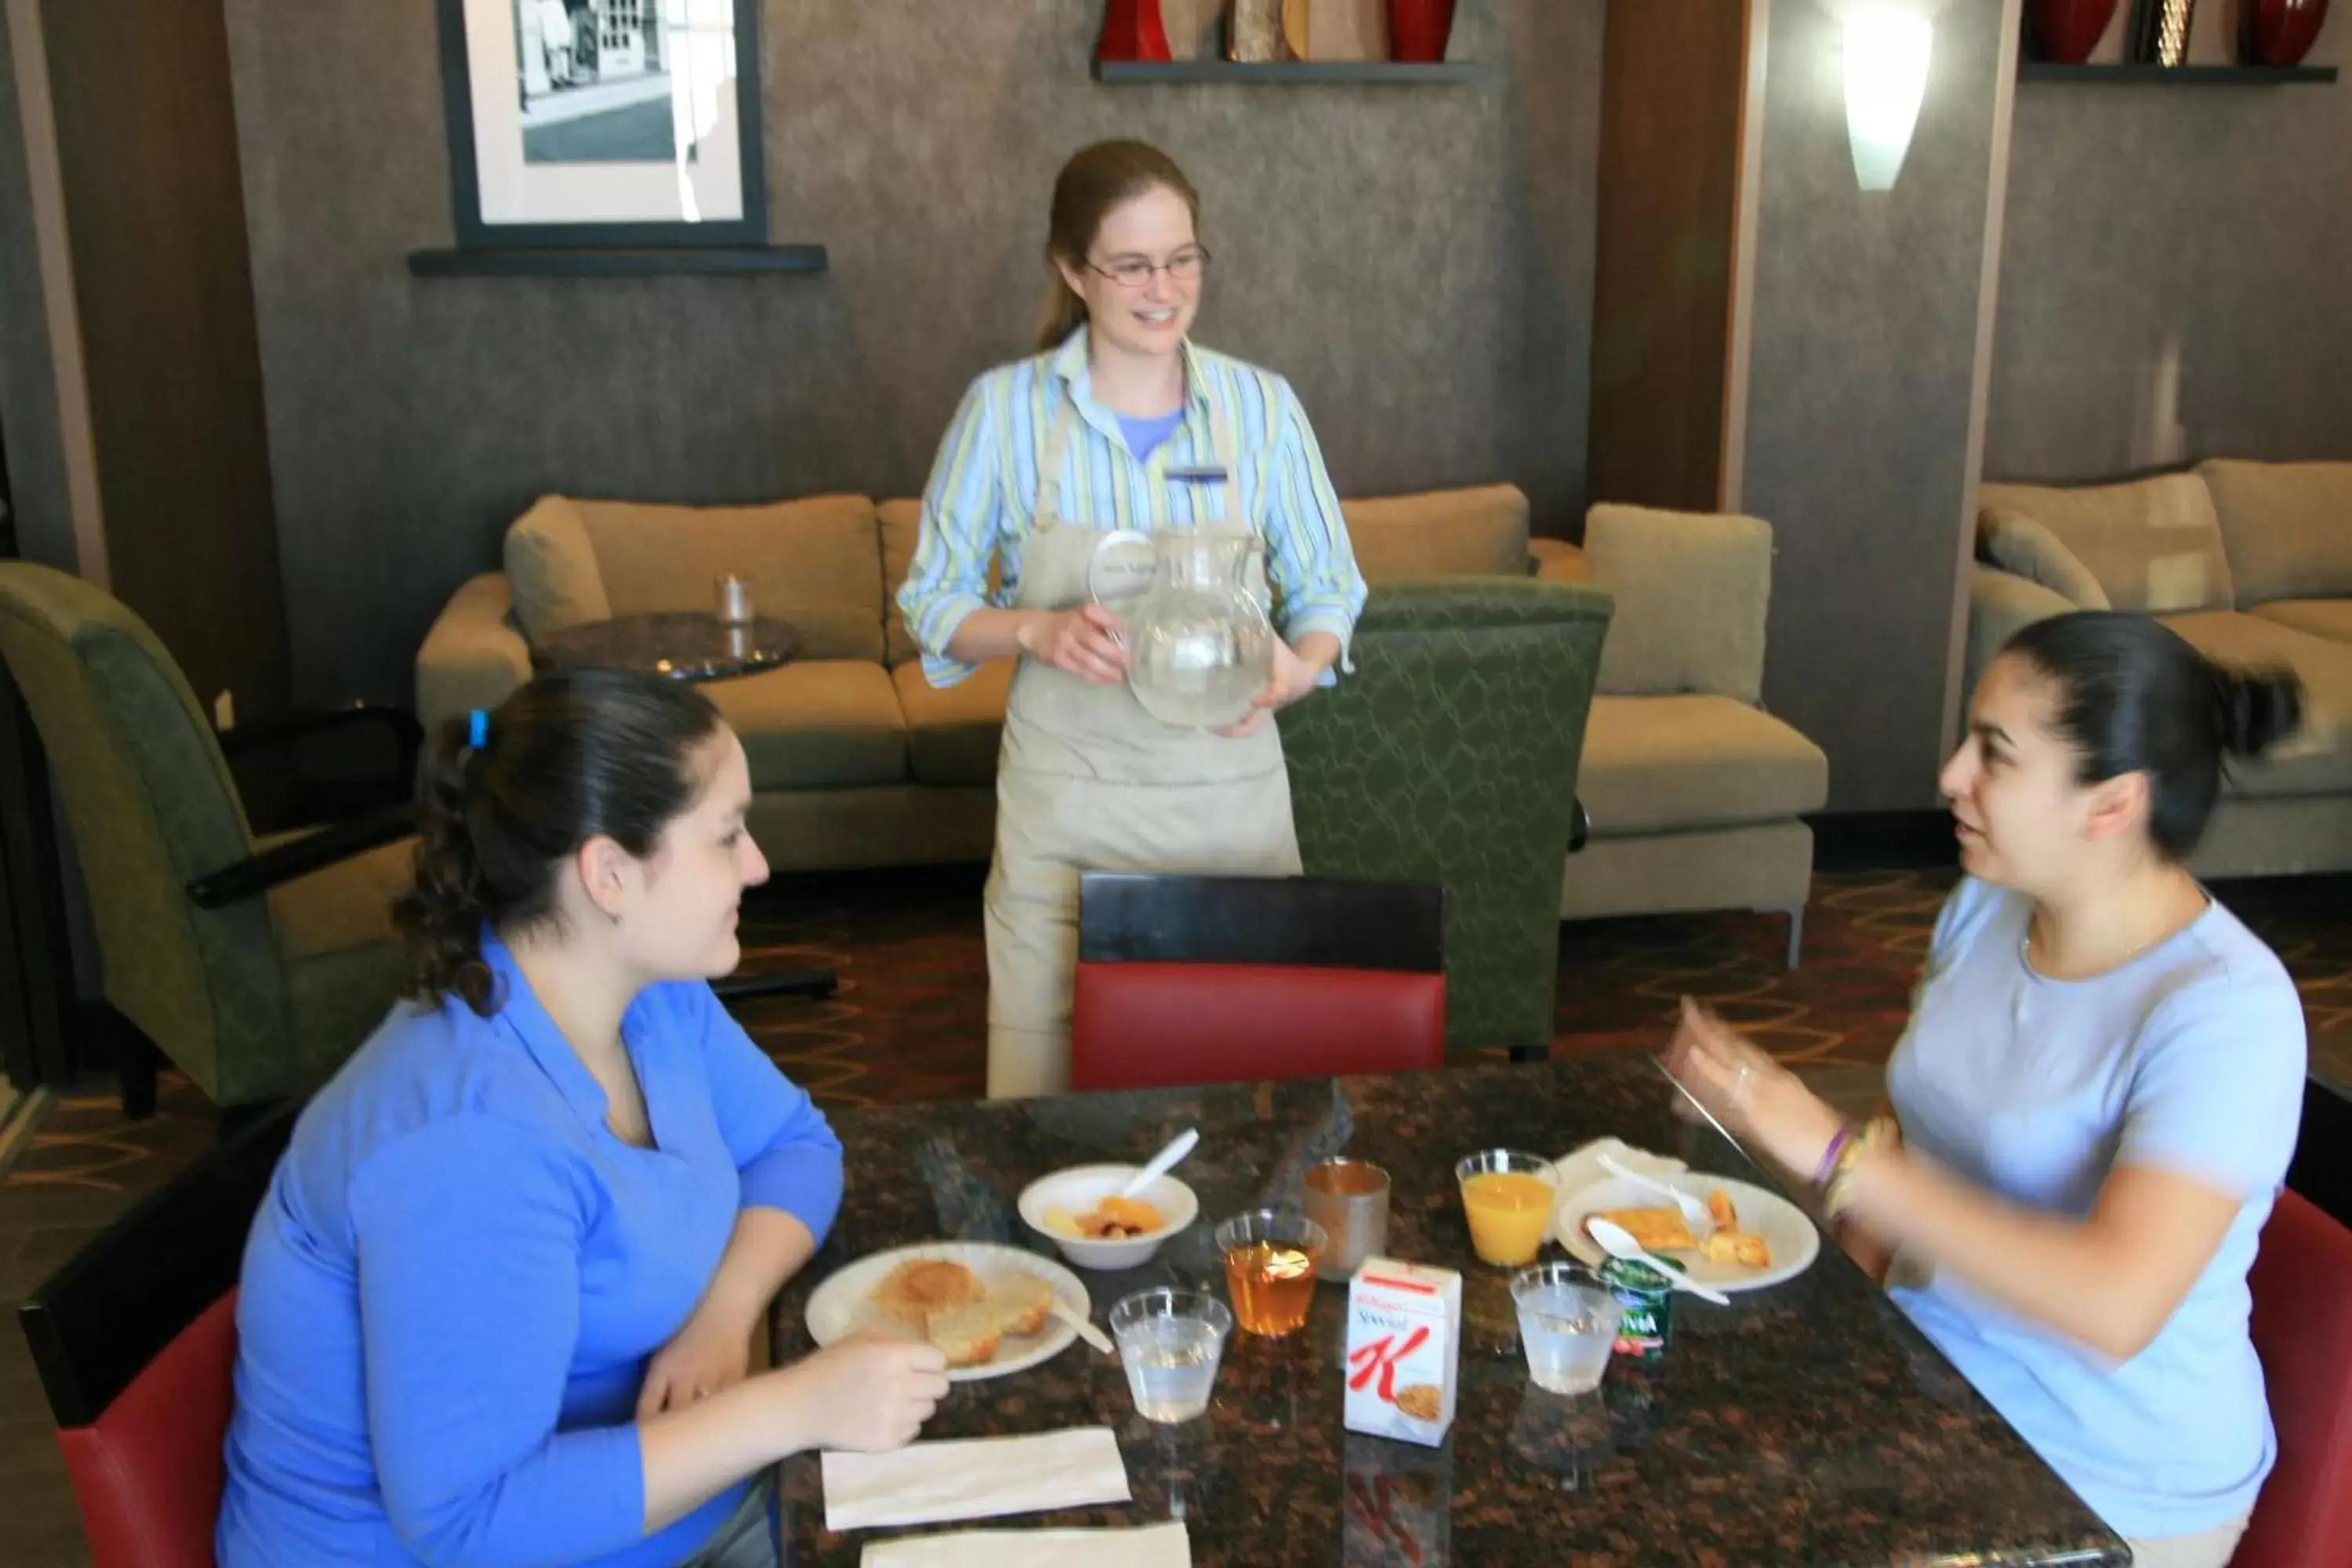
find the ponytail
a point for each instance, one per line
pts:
(440, 918)
(2134, 696)
(1062, 313)
(2254, 711)
(505, 798)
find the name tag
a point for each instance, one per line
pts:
(1198, 474)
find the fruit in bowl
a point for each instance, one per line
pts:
(1083, 1213)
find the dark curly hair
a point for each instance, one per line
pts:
(2135, 697)
(568, 758)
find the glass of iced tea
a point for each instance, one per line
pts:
(1270, 1260)
(1508, 1196)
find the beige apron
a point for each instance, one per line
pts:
(1087, 780)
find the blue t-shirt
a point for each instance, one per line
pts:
(453, 1288)
(1144, 435)
(2190, 1058)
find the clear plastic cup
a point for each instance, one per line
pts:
(1507, 1196)
(1170, 1342)
(1271, 1258)
(1568, 1325)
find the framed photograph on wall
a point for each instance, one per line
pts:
(603, 122)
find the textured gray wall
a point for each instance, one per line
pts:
(29, 400)
(1866, 323)
(1417, 260)
(2175, 273)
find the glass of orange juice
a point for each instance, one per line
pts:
(1507, 1197)
(1270, 1260)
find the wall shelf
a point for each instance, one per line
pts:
(1291, 73)
(645, 261)
(2136, 75)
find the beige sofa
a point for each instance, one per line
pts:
(1696, 794)
(2251, 562)
(855, 758)
(1693, 792)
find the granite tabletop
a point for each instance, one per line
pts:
(684, 644)
(1807, 1423)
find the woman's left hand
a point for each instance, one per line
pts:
(1294, 677)
(1748, 1091)
(711, 1352)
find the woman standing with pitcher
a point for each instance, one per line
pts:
(1120, 423)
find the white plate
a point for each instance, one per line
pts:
(1786, 1230)
(838, 1305)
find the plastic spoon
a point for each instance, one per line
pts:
(1162, 1163)
(1618, 1242)
(1087, 1331)
(1693, 1212)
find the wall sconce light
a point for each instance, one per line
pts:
(1886, 55)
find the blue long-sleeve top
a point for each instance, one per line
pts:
(453, 1288)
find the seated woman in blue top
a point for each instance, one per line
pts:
(498, 1305)
(2098, 1093)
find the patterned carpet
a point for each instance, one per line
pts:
(910, 1020)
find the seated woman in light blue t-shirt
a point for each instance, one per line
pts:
(498, 1305)
(2099, 1092)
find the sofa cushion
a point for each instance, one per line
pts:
(2329, 618)
(1652, 763)
(2154, 545)
(552, 572)
(2289, 527)
(816, 725)
(902, 521)
(1475, 532)
(2318, 758)
(2019, 544)
(815, 562)
(953, 731)
(1692, 592)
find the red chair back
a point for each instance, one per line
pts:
(2302, 1283)
(135, 1340)
(147, 1472)
(1145, 1025)
(1188, 980)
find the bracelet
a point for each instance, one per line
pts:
(1828, 1166)
(1837, 1193)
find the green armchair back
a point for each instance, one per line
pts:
(1450, 755)
(245, 1010)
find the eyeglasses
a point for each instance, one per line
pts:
(1135, 271)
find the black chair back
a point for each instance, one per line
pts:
(1317, 921)
(116, 1303)
(2322, 1169)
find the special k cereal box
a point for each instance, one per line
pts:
(1404, 1338)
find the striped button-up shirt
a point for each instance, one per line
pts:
(982, 495)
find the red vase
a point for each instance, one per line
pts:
(1418, 29)
(1133, 30)
(2278, 32)
(2066, 31)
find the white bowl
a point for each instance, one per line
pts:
(1081, 1188)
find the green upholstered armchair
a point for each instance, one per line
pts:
(255, 966)
(1450, 755)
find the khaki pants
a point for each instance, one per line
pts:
(2206, 1549)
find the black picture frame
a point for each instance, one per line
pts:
(464, 186)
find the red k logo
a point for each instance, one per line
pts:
(1378, 1359)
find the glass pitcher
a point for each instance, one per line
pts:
(1199, 644)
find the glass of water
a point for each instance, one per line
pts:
(1170, 1342)
(1568, 1325)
